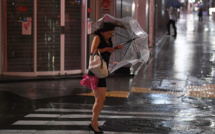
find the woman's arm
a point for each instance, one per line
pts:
(119, 47)
(95, 45)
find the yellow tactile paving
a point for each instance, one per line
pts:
(87, 94)
(207, 90)
(140, 90)
(148, 90)
(120, 94)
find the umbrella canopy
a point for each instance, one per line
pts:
(132, 37)
(174, 3)
(200, 5)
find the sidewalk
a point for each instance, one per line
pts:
(9, 78)
(173, 94)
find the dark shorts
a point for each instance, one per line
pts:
(102, 81)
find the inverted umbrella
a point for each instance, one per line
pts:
(174, 3)
(132, 37)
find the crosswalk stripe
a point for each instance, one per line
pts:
(90, 116)
(103, 111)
(48, 122)
(63, 117)
(62, 110)
(75, 105)
(17, 131)
(60, 132)
(50, 110)
(77, 119)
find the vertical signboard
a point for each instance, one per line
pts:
(89, 23)
(26, 26)
(106, 7)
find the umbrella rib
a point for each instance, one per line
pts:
(125, 30)
(121, 35)
(125, 53)
(135, 48)
(133, 32)
(127, 49)
(133, 39)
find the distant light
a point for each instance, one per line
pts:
(58, 16)
(191, 1)
(206, 29)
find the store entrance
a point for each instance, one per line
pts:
(42, 37)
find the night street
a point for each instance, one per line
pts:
(174, 93)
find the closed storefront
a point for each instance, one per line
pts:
(42, 37)
(52, 37)
(19, 38)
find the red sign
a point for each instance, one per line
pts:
(106, 3)
(23, 9)
(89, 10)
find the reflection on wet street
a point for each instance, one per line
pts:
(174, 93)
(184, 64)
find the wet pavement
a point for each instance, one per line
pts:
(174, 93)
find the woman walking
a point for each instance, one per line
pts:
(102, 42)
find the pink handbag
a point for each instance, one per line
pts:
(89, 81)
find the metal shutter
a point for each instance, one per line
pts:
(19, 47)
(72, 35)
(48, 35)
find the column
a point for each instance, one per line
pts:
(151, 24)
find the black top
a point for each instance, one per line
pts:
(105, 55)
(103, 44)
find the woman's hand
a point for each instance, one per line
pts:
(110, 49)
(118, 47)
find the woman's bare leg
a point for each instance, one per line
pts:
(99, 94)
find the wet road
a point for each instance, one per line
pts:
(174, 93)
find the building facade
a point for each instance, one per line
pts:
(51, 37)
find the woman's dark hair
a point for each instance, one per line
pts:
(107, 26)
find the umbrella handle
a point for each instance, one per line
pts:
(128, 41)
